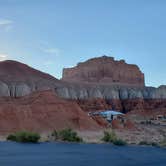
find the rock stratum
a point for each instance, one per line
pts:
(105, 70)
(18, 79)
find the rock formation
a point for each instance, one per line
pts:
(17, 79)
(36, 101)
(105, 70)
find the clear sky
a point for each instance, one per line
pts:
(52, 34)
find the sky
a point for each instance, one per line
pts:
(52, 34)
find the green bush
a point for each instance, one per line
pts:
(148, 143)
(66, 135)
(144, 143)
(119, 142)
(109, 136)
(163, 143)
(154, 144)
(112, 138)
(11, 137)
(24, 136)
(55, 134)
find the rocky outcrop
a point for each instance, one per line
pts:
(105, 70)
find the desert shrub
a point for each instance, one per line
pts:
(144, 143)
(66, 135)
(112, 138)
(109, 136)
(55, 134)
(148, 143)
(154, 144)
(24, 136)
(11, 137)
(106, 137)
(119, 142)
(69, 135)
(163, 143)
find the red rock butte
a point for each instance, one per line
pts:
(105, 70)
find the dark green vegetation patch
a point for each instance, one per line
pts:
(66, 135)
(112, 138)
(24, 136)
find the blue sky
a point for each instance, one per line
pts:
(52, 34)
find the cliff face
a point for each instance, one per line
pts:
(105, 70)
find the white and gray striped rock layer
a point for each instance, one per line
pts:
(74, 91)
(111, 92)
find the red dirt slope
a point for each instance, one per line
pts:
(42, 111)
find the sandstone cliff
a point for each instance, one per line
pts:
(105, 70)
